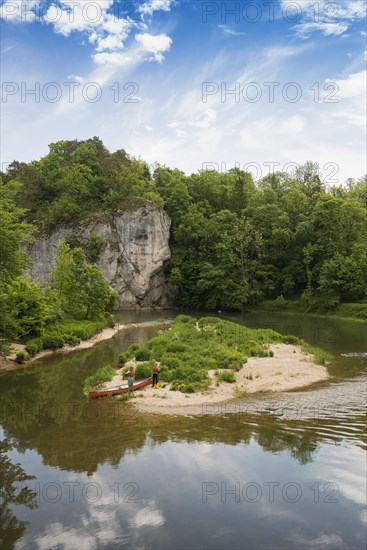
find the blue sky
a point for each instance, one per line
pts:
(154, 77)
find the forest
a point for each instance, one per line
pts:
(235, 242)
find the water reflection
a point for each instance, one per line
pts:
(13, 492)
(111, 477)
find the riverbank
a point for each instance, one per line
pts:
(345, 312)
(290, 368)
(9, 363)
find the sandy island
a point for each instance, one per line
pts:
(290, 368)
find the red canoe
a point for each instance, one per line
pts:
(116, 390)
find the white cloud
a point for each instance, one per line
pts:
(148, 8)
(155, 44)
(351, 99)
(118, 59)
(331, 19)
(18, 11)
(206, 120)
(352, 86)
(227, 30)
(328, 29)
(105, 31)
(148, 516)
(110, 42)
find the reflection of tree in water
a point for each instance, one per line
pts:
(84, 444)
(12, 528)
(301, 446)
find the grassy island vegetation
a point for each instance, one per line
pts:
(192, 348)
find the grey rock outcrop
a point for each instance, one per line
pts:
(134, 247)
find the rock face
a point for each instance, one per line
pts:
(134, 246)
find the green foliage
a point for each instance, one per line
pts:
(233, 243)
(97, 379)
(69, 331)
(20, 357)
(133, 348)
(321, 357)
(185, 319)
(23, 309)
(280, 302)
(52, 340)
(4, 348)
(34, 346)
(144, 370)
(83, 291)
(13, 233)
(354, 311)
(124, 357)
(143, 354)
(291, 339)
(226, 376)
(190, 349)
(94, 247)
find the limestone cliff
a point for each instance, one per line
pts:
(134, 244)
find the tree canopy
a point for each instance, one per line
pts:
(234, 241)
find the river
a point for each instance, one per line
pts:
(272, 471)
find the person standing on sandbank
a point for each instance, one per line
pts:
(130, 377)
(155, 373)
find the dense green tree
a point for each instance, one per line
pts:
(23, 309)
(13, 233)
(83, 291)
(233, 242)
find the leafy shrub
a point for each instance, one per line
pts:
(191, 387)
(53, 340)
(111, 320)
(280, 302)
(133, 348)
(291, 339)
(4, 348)
(185, 319)
(177, 347)
(207, 321)
(94, 247)
(171, 361)
(124, 357)
(143, 354)
(20, 357)
(144, 370)
(230, 359)
(96, 380)
(33, 347)
(226, 376)
(71, 340)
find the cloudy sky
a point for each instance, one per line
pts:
(189, 83)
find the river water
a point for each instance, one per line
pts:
(272, 471)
